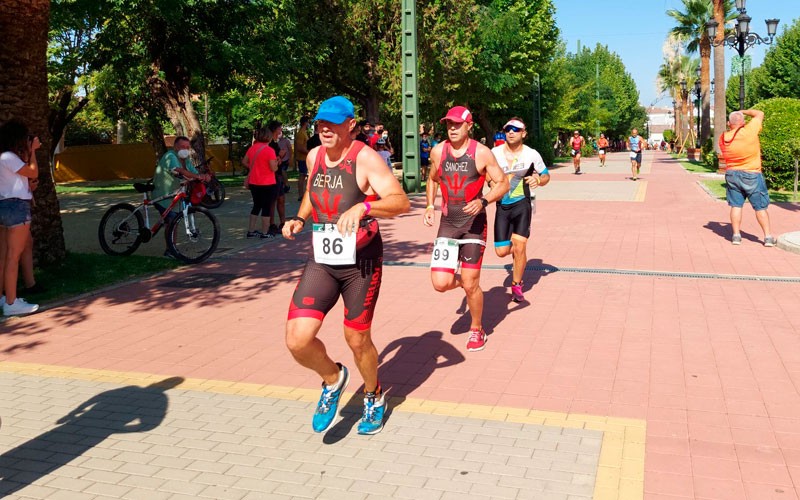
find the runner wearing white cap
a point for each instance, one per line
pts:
(512, 223)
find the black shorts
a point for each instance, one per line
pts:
(575, 152)
(470, 255)
(321, 285)
(514, 219)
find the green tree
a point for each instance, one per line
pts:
(782, 65)
(617, 110)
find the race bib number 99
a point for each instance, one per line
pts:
(332, 247)
(445, 254)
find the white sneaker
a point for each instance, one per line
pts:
(19, 307)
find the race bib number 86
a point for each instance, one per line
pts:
(445, 254)
(332, 247)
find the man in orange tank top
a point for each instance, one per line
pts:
(741, 149)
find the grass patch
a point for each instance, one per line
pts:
(84, 272)
(717, 189)
(696, 167)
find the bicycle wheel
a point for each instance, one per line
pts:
(194, 238)
(215, 194)
(121, 230)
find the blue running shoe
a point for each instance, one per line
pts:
(329, 402)
(372, 419)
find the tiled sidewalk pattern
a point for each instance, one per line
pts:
(133, 442)
(712, 366)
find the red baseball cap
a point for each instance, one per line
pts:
(458, 114)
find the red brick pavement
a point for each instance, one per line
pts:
(712, 365)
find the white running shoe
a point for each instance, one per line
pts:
(19, 307)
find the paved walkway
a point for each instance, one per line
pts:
(654, 360)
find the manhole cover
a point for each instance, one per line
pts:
(202, 280)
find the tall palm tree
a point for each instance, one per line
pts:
(23, 35)
(691, 26)
(675, 68)
(722, 13)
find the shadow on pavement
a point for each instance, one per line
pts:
(124, 410)
(723, 229)
(496, 300)
(415, 360)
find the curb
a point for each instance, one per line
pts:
(790, 242)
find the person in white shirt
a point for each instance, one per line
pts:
(526, 171)
(18, 169)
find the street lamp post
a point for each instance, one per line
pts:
(697, 95)
(743, 39)
(685, 114)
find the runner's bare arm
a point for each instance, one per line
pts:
(499, 182)
(374, 178)
(432, 186)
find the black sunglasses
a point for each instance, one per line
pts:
(512, 128)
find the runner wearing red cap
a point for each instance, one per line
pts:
(460, 165)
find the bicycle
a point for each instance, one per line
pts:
(192, 234)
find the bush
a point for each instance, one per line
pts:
(669, 134)
(709, 155)
(780, 128)
(587, 150)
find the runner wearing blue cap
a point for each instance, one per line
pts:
(348, 187)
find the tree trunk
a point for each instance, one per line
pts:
(24, 26)
(177, 103)
(719, 76)
(705, 88)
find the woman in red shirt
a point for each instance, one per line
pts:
(263, 163)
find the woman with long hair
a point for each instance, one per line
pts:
(18, 169)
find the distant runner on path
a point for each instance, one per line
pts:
(576, 143)
(635, 144)
(460, 165)
(512, 223)
(345, 182)
(602, 146)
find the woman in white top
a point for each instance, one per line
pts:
(18, 168)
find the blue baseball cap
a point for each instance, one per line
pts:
(336, 110)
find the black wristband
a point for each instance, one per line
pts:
(300, 219)
(484, 202)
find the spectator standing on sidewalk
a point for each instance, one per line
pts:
(741, 149)
(262, 184)
(18, 166)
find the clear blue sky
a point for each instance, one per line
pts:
(636, 32)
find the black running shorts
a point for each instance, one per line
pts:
(321, 285)
(513, 219)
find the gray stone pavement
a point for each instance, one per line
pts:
(76, 439)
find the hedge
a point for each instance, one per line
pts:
(781, 128)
